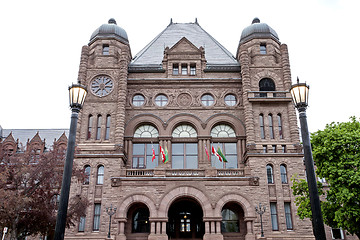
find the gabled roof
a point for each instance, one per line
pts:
(152, 55)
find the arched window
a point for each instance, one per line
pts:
(146, 131)
(230, 221)
(270, 173)
(227, 148)
(87, 174)
(261, 123)
(98, 128)
(266, 84)
(184, 131)
(283, 174)
(271, 127)
(107, 131)
(280, 126)
(90, 124)
(184, 154)
(100, 175)
(140, 221)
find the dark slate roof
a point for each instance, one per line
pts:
(258, 30)
(24, 134)
(110, 30)
(152, 55)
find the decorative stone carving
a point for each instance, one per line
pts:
(254, 181)
(184, 99)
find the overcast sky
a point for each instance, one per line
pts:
(41, 44)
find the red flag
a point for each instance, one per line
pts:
(216, 154)
(207, 153)
(153, 153)
(162, 154)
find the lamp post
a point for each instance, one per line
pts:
(110, 211)
(300, 94)
(77, 94)
(260, 210)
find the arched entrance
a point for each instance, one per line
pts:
(185, 220)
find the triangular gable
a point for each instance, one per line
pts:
(183, 46)
(9, 138)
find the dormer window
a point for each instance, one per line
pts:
(263, 48)
(192, 69)
(105, 49)
(184, 70)
(175, 69)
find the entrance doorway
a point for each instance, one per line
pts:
(185, 220)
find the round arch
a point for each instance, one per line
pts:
(137, 198)
(249, 211)
(184, 118)
(227, 119)
(185, 191)
(141, 119)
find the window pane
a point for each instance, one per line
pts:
(191, 148)
(97, 212)
(161, 100)
(98, 131)
(87, 174)
(207, 100)
(230, 221)
(177, 162)
(139, 149)
(230, 100)
(150, 164)
(141, 222)
(191, 162)
(175, 69)
(81, 224)
(138, 100)
(274, 222)
(100, 175)
(107, 132)
(283, 174)
(269, 171)
(289, 225)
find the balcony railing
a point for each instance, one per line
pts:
(278, 95)
(139, 172)
(185, 173)
(230, 173)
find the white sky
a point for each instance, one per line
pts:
(41, 44)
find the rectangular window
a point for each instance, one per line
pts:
(271, 128)
(98, 129)
(274, 218)
(289, 225)
(280, 126)
(283, 147)
(273, 148)
(97, 211)
(81, 224)
(106, 49)
(337, 233)
(264, 148)
(262, 48)
(184, 70)
(142, 155)
(90, 123)
(107, 132)
(175, 69)
(262, 130)
(230, 152)
(192, 69)
(184, 156)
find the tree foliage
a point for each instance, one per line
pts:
(336, 152)
(29, 189)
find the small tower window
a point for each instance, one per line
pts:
(184, 70)
(261, 123)
(98, 128)
(193, 69)
(271, 127)
(106, 49)
(263, 48)
(90, 123)
(175, 69)
(107, 132)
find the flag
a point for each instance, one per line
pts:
(164, 154)
(221, 154)
(207, 153)
(216, 154)
(153, 153)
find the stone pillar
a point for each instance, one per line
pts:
(249, 228)
(158, 229)
(121, 230)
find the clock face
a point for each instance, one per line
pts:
(101, 86)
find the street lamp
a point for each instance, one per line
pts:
(300, 94)
(260, 210)
(110, 211)
(77, 94)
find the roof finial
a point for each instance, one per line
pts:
(171, 22)
(196, 22)
(112, 21)
(255, 20)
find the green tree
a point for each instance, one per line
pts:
(336, 156)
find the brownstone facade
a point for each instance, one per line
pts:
(187, 94)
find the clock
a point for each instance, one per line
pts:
(102, 86)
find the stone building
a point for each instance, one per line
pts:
(178, 99)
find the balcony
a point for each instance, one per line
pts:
(275, 96)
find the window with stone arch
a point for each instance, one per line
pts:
(266, 84)
(224, 139)
(146, 131)
(232, 222)
(145, 154)
(184, 148)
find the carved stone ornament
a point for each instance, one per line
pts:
(254, 181)
(184, 99)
